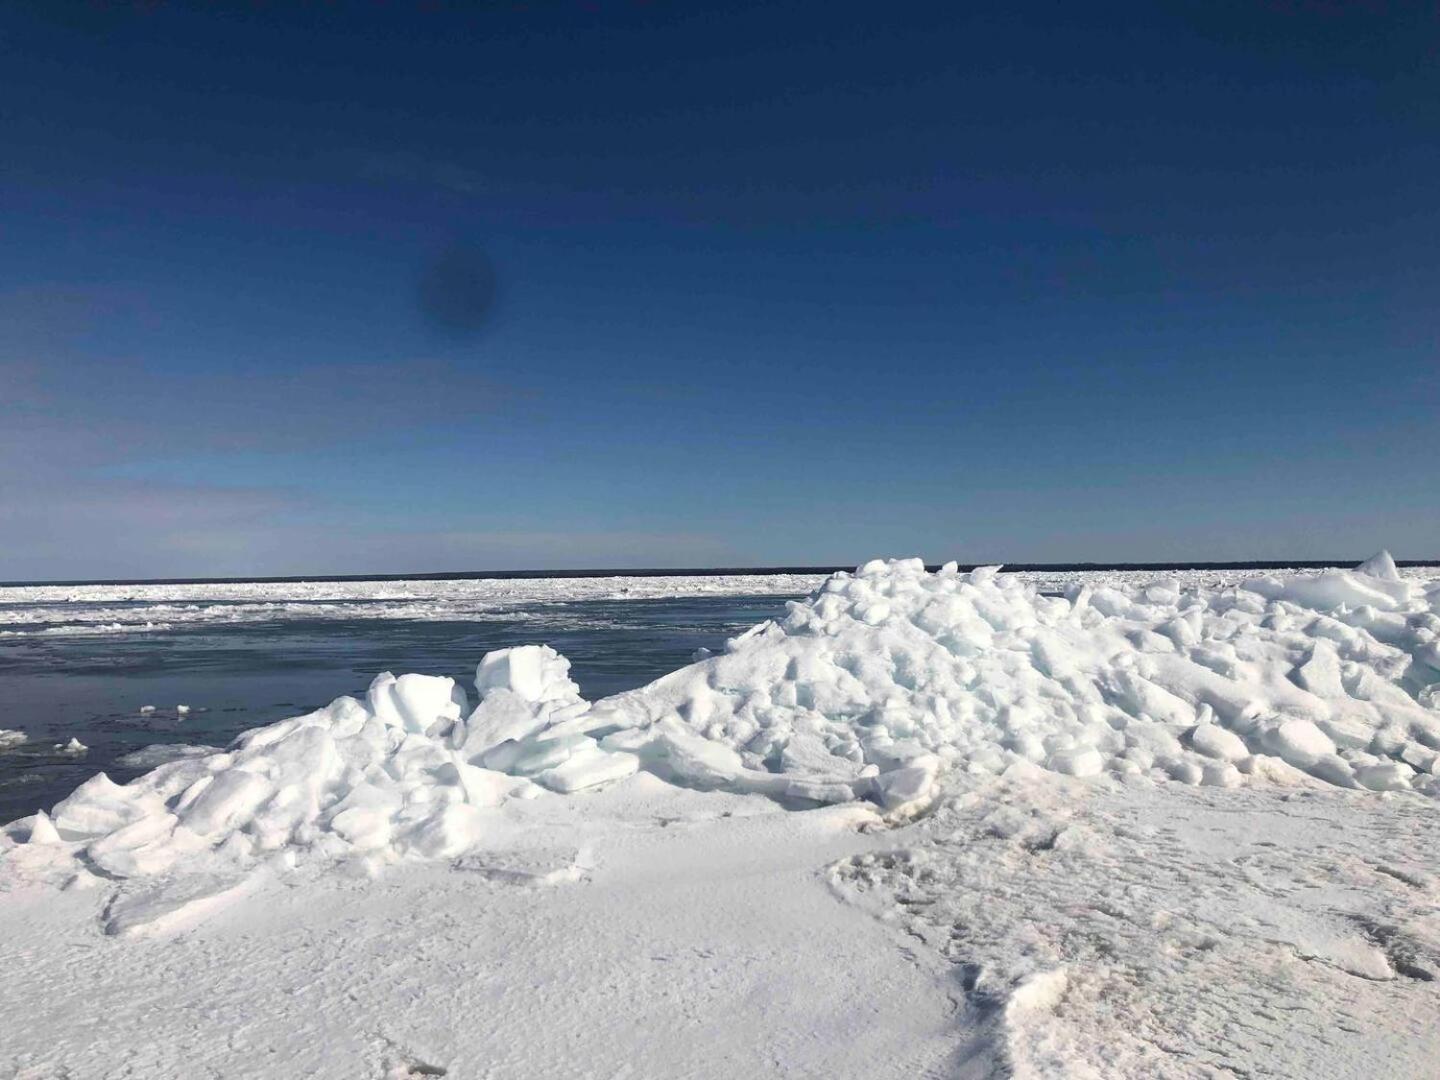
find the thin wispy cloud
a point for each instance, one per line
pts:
(421, 170)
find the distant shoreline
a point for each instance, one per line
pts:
(711, 571)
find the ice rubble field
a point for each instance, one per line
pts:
(868, 690)
(1068, 762)
(68, 610)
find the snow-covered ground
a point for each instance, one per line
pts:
(922, 825)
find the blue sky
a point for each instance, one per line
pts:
(773, 284)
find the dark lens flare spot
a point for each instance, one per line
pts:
(457, 290)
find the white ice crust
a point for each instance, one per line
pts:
(104, 610)
(869, 690)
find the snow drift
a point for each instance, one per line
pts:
(868, 690)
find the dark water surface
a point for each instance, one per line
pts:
(236, 676)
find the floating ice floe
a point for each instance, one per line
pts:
(74, 747)
(148, 757)
(869, 690)
(10, 737)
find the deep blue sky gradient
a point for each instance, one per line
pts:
(776, 284)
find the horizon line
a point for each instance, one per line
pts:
(701, 571)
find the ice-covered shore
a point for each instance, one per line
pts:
(892, 690)
(866, 691)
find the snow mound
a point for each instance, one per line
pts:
(1380, 565)
(891, 673)
(868, 690)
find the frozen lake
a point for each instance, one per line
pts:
(82, 662)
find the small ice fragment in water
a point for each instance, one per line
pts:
(74, 746)
(11, 737)
(147, 708)
(149, 757)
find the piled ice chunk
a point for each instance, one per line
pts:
(867, 690)
(888, 673)
(528, 723)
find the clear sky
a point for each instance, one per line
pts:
(391, 287)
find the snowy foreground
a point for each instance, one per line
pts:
(924, 825)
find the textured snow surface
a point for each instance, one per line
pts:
(1138, 931)
(642, 931)
(1143, 828)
